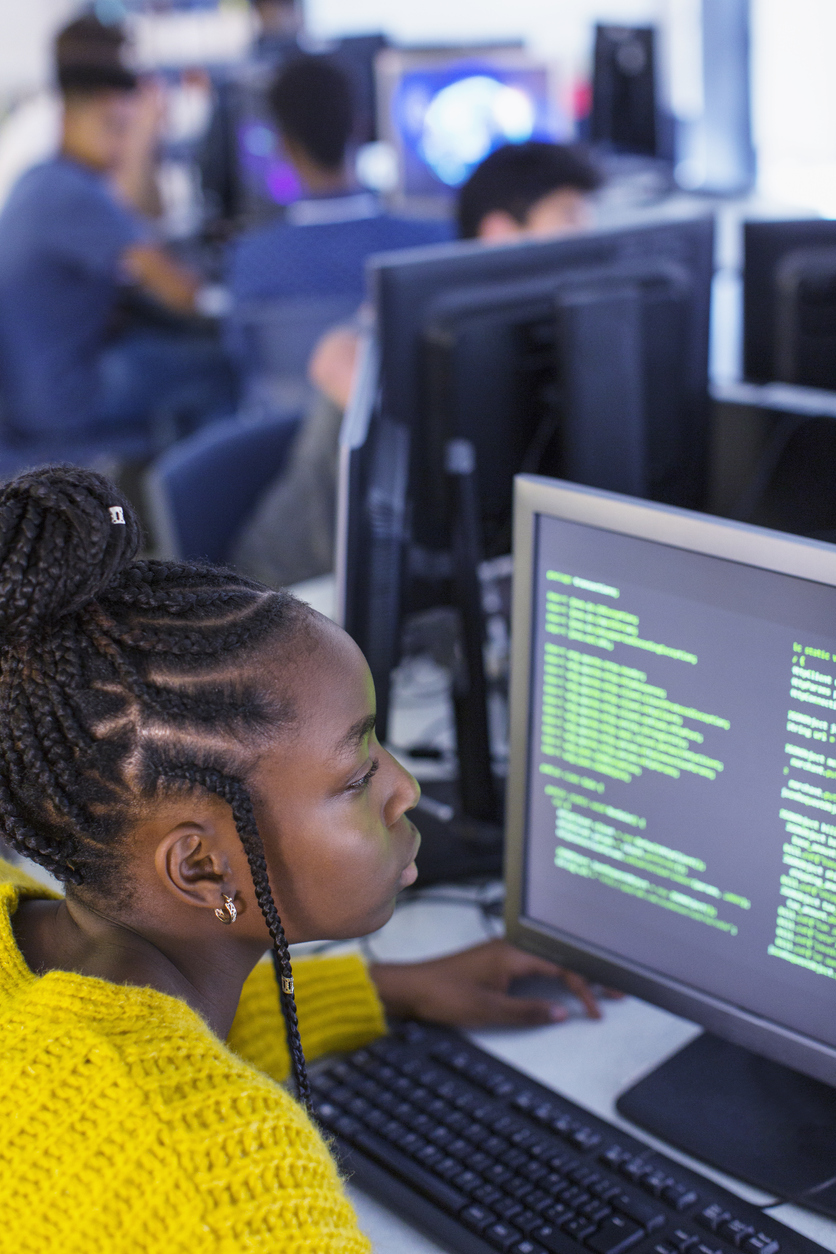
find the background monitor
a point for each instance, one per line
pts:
(789, 302)
(624, 105)
(671, 821)
(445, 110)
(585, 356)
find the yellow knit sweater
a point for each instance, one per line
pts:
(129, 1128)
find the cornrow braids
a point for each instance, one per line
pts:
(120, 678)
(236, 795)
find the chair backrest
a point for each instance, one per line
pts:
(276, 337)
(200, 492)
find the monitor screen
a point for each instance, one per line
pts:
(679, 809)
(446, 112)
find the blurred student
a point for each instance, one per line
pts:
(70, 245)
(32, 131)
(526, 191)
(321, 246)
(535, 190)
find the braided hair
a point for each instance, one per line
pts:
(121, 678)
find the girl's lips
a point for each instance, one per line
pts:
(410, 872)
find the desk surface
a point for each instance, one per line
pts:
(591, 1063)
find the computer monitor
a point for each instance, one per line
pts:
(445, 110)
(789, 302)
(671, 824)
(624, 106)
(584, 356)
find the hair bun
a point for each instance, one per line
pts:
(62, 543)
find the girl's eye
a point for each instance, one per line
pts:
(361, 785)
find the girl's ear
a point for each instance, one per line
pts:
(192, 862)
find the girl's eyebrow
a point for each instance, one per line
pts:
(356, 734)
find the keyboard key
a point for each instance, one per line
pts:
(477, 1217)
(682, 1240)
(527, 1247)
(585, 1138)
(635, 1207)
(680, 1196)
(550, 1236)
(488, 1194)
(579, 1228)
(502, 1236)
(760, 1244)
(596, 1211)
(736, 1231)
(702, 1248)
(539, 1200)
(447, 1168)
(712, 1217)
(508, 1208)
(497, 1173)
(584, 1174)
(429, 1155)
(614, 1236)
(467, 1181)
(614, 1156)
(656, 1183)
(478, 1161)
(518, 1187)
(635, 1169)
(514, 1158)
(534, 1171)
(528, 1221)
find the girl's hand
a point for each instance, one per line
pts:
(470, 989)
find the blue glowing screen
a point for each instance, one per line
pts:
(451, 117)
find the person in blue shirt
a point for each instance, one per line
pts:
(320, 247)
(69, 249)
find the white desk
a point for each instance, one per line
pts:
(590, 1063)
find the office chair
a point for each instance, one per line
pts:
(272, 340)
(200, 492)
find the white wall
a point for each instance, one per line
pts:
(26, 31)
(794, 100)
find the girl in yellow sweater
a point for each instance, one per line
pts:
(194, 756)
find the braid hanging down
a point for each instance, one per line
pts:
(120, 678)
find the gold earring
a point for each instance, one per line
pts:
(227, 913)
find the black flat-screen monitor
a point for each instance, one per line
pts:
(624, 109)
(671, 804)
(585, 357)
(789, 302)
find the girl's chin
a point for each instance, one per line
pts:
(408, 876)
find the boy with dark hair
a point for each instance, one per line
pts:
(312, 104)
(68, 246)
(320, 248)
(535, 189)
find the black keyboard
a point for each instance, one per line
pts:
(484, 1159)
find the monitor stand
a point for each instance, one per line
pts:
(749, 1117)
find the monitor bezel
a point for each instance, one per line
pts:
(698, 533)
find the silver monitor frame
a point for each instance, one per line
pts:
(696, 533)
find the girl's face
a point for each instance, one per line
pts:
(331, 804)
